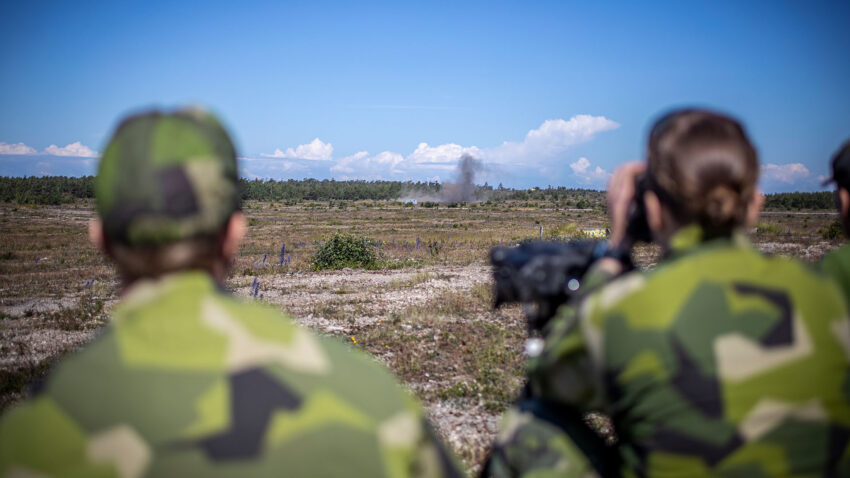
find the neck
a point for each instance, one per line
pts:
(218, 271)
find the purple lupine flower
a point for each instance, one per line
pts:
(89, 283)
(255, 287)
(264, 258)
(282, 253)
(417, 242)
(288, 258)
(37, 259)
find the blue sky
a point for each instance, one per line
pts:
(544, 93)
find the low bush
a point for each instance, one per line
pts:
(768, 228)
(834, 231)
(345, 250)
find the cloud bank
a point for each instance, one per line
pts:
(16, 149)
(586, 174)
(315, 150)
(75, 150)
(540, 150)
(786, 173)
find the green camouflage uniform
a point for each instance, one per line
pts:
(186, 381)
(719, 362)
(837, 265)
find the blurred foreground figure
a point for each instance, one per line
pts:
(186, 381)
(718, 362)
(837, 262)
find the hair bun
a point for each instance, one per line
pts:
(722, 207)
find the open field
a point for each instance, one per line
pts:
(425, 313)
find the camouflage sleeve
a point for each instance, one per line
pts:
(837, 265)
(528, 446)
(544, 434)
(39, 439)
(565, 371)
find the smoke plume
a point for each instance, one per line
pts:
(463, 189)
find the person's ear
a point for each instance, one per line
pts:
(237, 227)
(654, 214)
(96, 236)
(844, 200)
(754, 207)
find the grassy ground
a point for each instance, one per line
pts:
(425, 313)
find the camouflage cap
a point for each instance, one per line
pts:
(165, 177)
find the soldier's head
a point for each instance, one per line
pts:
(702, 169)
(841, 178)
(167, 195)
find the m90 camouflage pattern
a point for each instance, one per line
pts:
(189, 382)
(719, 362)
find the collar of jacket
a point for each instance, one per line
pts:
(692, 237)
(144, 290)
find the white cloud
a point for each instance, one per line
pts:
(315, 150)
(538, 153)
(786, 173)
(444, 153)
(363, 166)
(17, 149)
(552, 137)
(583, 170)
(347, 164)
(77, 150)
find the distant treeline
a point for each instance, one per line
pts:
(791, 201)
(46, 189)
(62, 189)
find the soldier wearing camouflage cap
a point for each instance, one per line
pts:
(837, 262)
(186, 381)
(720, 361)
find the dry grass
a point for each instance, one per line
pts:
(426, 314)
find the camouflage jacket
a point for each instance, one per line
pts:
(719, 362)
(187, 381)
(837, 264)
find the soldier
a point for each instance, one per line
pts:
(837, 262)
(719, 362)
(185, 380)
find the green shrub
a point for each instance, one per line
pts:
(834, 231)
(768, 228)
(565, 232)
(345, 250)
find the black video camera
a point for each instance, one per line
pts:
(544, 275)
(540, 275)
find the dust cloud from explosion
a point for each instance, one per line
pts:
(463, 187)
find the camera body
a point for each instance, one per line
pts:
(543, 275)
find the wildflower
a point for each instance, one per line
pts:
(354, 340)
(282, 253)
(255, 287)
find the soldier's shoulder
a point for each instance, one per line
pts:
(837, 259)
